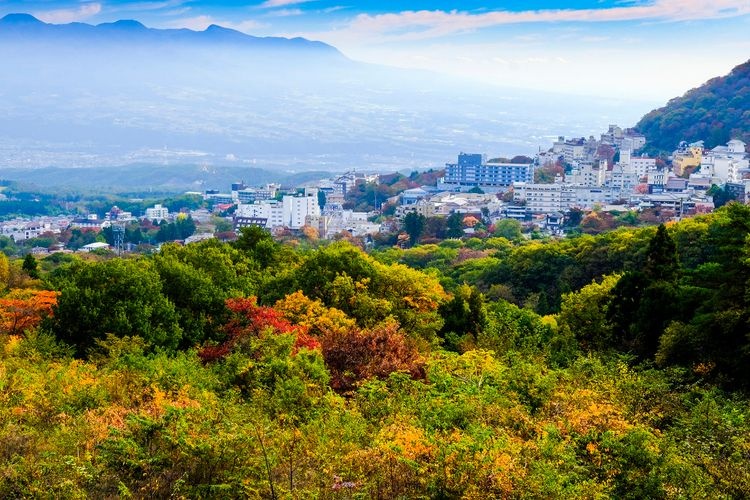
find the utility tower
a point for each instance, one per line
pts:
(118, 234)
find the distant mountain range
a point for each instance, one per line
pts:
(715, 112)
(140, 178)
(78, 95)
(26, 27)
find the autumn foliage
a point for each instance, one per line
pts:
(23, 309)
(359, 354)
(251, 320)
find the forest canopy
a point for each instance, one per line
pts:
(715, 112)
(610, 365)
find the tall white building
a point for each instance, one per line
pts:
(588, 174)
(290, 212)
(725, 163)
(157, 213)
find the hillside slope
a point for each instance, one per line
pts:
(715, 112)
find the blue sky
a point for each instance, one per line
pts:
(644, 49)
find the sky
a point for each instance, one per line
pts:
(647, 50)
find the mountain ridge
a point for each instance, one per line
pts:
(129, 30)
(715, 112)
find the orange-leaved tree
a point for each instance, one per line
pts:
(24, 309)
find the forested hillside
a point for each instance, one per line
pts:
(715, 112)
(595, 366)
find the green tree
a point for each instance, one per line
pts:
(464, 316)
(644, 302)
(509, 229)
(661, 256)
(321, 199)
(4, 271)
(119, 297)
(31, 266)
(414, 225)
(583, 314)
(455, 226)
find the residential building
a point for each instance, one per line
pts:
(725, 163)
(158, 213)
(472, 170)
(687, 156)
(290, 212)
(572, 150)
(588, 174)
(622, 179)
(412, 196)
(550, 198)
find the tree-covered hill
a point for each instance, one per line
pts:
(715, 112)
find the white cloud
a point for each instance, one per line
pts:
(426, 24)
(271, 4)
(285, 13)
(147, 6)
(62, 16)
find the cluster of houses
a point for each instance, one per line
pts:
(680, 185)
(20, 230)
(605, 174)
(320, 207)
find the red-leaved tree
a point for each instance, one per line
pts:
(251, 320)
(358, 354)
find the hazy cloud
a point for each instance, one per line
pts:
(270, 4)
(62, 16)
(285, 13)
(146, 6)
(425, 24)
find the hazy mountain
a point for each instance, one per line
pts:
(141, 178)
(121, 93)
(715, 112)
(17, 27)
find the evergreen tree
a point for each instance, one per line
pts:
(414, 225)
(661, 256)
(455, 225)
(31, 266)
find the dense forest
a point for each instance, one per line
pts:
(715, 112)
(612, 365)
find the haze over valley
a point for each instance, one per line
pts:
(119, 94)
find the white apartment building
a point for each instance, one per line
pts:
(622, 179)
(290, 212)
(725, 163)
(157, 213)
(549, 198)
(642, 166)
(587, 174)
(571, 150)
(539, 198)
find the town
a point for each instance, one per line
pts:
(577, 185)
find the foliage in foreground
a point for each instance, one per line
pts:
(251, 370)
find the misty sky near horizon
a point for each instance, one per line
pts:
(649, 50)
(510, 78)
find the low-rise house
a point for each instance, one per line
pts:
(95, 246)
